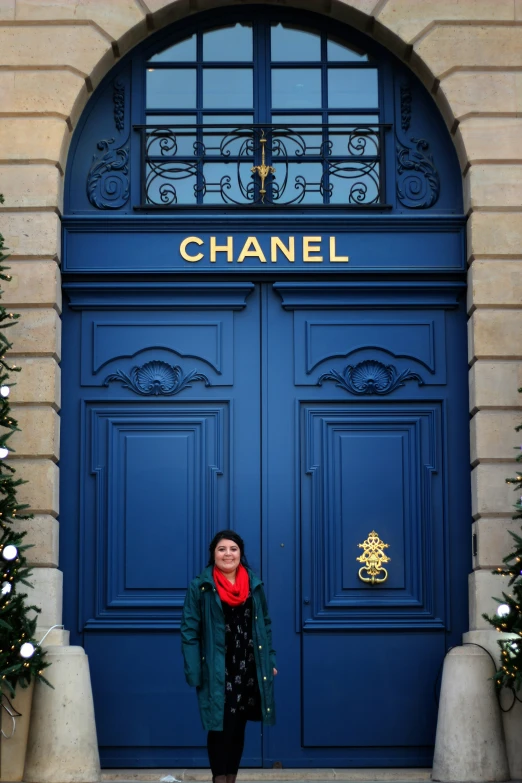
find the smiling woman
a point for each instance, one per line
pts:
(227, 646)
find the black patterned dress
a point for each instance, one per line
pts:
(242, 697)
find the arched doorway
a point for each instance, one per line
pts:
(265, 330)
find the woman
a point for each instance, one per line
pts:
(227, 646)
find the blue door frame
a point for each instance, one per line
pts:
(276, 445)
(294, 369)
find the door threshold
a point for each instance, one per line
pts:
(366, 775)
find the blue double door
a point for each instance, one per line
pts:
(306, 416)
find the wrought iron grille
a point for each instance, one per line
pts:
(262, 165)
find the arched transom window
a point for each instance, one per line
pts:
(261, 114)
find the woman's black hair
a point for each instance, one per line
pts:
(230, 535)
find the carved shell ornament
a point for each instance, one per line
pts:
(156, 378)
(370, 377)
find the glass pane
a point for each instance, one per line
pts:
(171, 89)
(227, 88)
(355, 138)
(229, 140)
(289, 44)
(170, 182)
(228, 44)
(302, 141)
(298, 183)
(173, 140)
(338, 51)
(228, 183)
(354, 182)
(352, 88)
(296, 88)
(184, 51)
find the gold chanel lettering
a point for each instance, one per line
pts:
(312, 245)
(228, 249)
(289, 251)
(256, 251)
(280, 250)
(183, 249)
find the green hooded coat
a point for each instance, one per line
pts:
(203, 645)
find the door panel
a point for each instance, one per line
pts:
(164, 407)
(366, 401)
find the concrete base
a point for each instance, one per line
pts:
(62, 744)
(512, 719)
(13, 750)
(469, 745)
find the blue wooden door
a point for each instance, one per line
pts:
(365, 431)
(162, 449)
(304, 415)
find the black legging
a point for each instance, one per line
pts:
(225, 748)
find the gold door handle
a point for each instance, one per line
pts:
(373, 557)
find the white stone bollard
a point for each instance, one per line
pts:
(62, 744)
(469, 745)
(512, 715)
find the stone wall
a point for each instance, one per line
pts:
(468, 53)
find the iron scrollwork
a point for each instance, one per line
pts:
(418, 181)
(370, 377)
(269, 165)
(118, 98)
(156, 378)
(108, 185)
(108, 178)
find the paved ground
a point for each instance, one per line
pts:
(273, 776)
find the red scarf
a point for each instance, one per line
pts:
(233, 594)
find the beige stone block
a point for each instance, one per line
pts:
(495, 384)
(30, 187)
(77, 46)
(495, 234)
(410, 19)
(37, 332)
(483, 588)
(47, 593)
(495, 282)
(493, 333)
(43, 534)
(7, 9)
(37, 139)
(493, 541)
(31, 233)
(490, 495)
(493, 435)
(446, 47)
(39, 92)
(33, 283)
(492, 139)
(39, 434)
(493, 185)
(41, 489)
(115, 17)
(473, 92)
(37, 382)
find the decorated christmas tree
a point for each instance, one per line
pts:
(21, 659)
(508, 618)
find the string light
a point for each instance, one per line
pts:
(9, 552)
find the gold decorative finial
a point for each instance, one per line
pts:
(263, 170)
(373, 557)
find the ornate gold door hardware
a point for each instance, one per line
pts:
(263, 170)
(373, 556)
